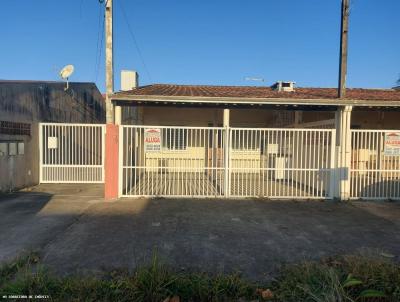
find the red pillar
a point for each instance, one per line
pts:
(111, 162)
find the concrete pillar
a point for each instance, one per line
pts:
(109, 61)
(343, 152)
(111, 162)
(118, 115)
(226, 117)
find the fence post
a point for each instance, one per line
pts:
(111, 181)
(40, 153)
(333, 173)
(226, 124)
(121, 143)
(226, 161)
(343, 148)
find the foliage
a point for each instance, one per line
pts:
(346, 278)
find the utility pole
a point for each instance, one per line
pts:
(109, 62)
(343, 48)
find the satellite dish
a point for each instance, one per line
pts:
(66, 72)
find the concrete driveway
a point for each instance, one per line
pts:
(78, 232)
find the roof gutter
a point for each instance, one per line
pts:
(253, 101)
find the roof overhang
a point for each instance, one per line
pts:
(229, 101)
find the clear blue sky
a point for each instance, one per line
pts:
(216, 42)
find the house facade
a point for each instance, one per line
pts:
(278, 141)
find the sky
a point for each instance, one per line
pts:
(214, 42)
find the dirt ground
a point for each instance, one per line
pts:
(76, 231)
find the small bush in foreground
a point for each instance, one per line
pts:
(347, 278)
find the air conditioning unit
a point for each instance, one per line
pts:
(287, 86)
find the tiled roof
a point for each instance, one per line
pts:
(260, 92)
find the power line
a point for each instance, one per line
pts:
(134, 40)
(99, 46)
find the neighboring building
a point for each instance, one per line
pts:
(23, 104)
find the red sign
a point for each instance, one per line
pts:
(392, 144)
(152, 139)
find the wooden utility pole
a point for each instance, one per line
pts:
(343, 48)
(109, 62)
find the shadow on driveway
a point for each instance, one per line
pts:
(250, 236)
(31, 219)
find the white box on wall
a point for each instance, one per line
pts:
(272, 149)
(21, 148)
(12, 149)
(280, 166)
(3, 149)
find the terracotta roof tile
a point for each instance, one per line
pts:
(261, 92)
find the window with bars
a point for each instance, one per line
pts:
(246, 140)
(175, 139)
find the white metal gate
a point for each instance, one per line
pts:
(71, 153)
(375, 167)
(198, 161)
(282, 163)
(172, 161)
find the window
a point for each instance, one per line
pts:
(175, 139)
(13, 128)
(246, 140)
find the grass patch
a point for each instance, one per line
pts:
(10, 269)
(346, 278)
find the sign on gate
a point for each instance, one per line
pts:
(52, 142)
(152, 139)
(392, 144)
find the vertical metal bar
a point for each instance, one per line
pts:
(121, 143)
(332, 164)
(41, 147)
(103, 149)
(314, 142)
(302, 154)
(319, 166)
(228, 164)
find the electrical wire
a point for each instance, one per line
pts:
(134, 41)
(99, 46)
